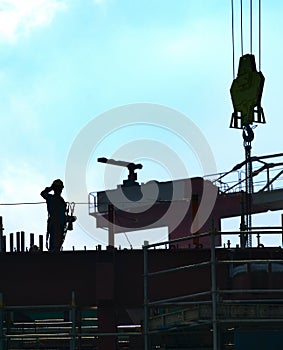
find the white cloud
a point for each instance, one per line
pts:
(18, 17)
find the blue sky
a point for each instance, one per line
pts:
(65, 62)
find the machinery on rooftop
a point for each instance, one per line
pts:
(132, 177)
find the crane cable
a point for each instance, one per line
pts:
(242, 43)
(251, 26)
(242, 32)
(259, 33)
(233, 39)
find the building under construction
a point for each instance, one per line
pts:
(198, 290)
(190, 292)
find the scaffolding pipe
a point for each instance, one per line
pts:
(111, 225)
(145, 296)
(3, 241)
(179, 298)
(53, 336)
(38, 335)
(174, 331)
(251, 301)
(222, 233)
(246, 261)
(252, 233)
(204, 234)
(266, 227)
(228, 301)
(31, 239)
(1, 234)
(214, 292)
(73, 320)
(236, 291)
(18, 240)
(1, 322)
(247, 320)
(186, 267)
(41, 242)
(11, 242)
(22, 241)
(200, 302)
(36, 307)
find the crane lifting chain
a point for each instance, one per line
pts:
(246, 92)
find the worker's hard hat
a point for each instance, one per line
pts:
(58, 183)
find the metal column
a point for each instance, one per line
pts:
(111, 225)
(214, 292)
(73, 320)
(1, 322)
(145, 297)
(1, 234)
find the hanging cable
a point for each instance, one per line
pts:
(131, 246)
(233, 40)
(259, 34)
(251, 26)
(242, 45)
(32, 203)
(23, 203)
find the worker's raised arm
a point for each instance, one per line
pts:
(45, 192)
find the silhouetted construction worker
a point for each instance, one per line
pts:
(56, 207)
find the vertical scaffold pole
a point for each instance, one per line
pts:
(111, 225)
(73, 320)
(214, 291)
(11, 242)
(145, 296)
(1, 234)
(1, 322)
(18, 241)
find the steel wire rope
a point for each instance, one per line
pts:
(233, 39)
(78, 203)
(242, 31)
(242, 41)
(127, 238)
(34, 203)
(259, 35)
(251, 26)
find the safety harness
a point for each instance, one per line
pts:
(70, 219)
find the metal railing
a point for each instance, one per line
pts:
(92, 203)
(267, 176)
(215, 302)
(55, 326)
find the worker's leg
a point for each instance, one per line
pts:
(51, 241)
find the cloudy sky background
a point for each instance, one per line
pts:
(65, 62)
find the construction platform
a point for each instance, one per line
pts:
(142, 299)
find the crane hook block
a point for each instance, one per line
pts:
(246, 92)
